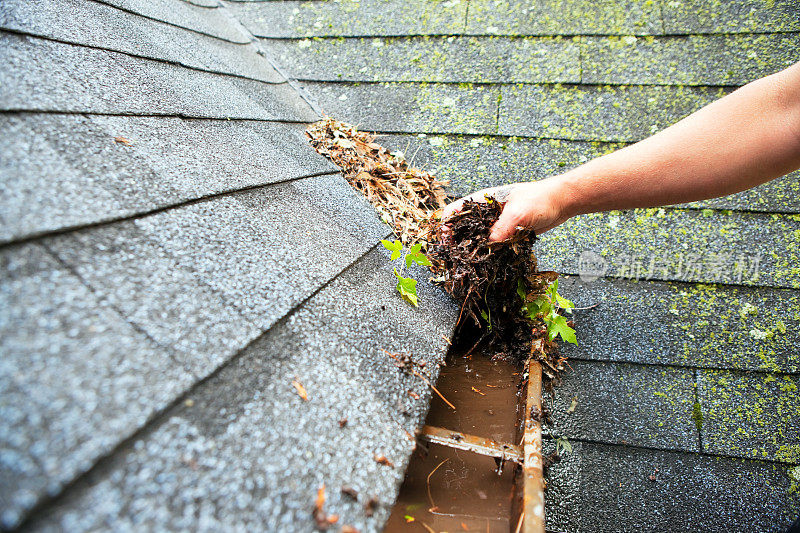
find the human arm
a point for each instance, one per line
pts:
(747, 138)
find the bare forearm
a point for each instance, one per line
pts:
(746, 138)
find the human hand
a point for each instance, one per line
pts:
(537, 205)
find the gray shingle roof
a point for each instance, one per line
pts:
(693, 370)
(174, 255)
(159, 298)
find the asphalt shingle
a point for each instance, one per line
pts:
(186, 15)
(66, 170)
(626, 404)
(409, 107)
(352, 18)
(229, 458)
(597, 113)
(178, 309)
(76, 378)
(726, 16)
(563, 17)
(49, 76)
(258, 248)
(750, 415)
(600, 487)
(691, 60)
(107, 27)
(681, 245)
(431, 59)
(715, 326)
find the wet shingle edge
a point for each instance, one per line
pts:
(109, 28)
(186, 15)
(169, 161)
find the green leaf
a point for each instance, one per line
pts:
(407, 287)
(564, 303)
(417, 257)
(554, 287)
(488, 318)
(395, 247)
(521, 290)
(563, 445)
(416, 248)
(558, 326)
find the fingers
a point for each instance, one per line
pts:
(505, 227)
(452, 207)
(479, 196)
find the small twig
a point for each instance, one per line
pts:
(428, 482)
(426, 380)
(480, 340)
(519, 522)
(419, 375)
(426, 526)
(584, 308)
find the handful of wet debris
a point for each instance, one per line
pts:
(494, 280)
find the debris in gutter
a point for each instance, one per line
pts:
(405, 363)
(405, 197)
(502, 292)
(123, 141)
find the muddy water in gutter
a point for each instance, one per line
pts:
(454, 490)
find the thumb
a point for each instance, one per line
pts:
(504, 228)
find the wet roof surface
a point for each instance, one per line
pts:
(688, 363)
(159, 297)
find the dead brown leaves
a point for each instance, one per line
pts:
(407, 198)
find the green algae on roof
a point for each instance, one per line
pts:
(751, 415)
(353, 17)
(597, 113)
(687, 60)
(411, 107)
(680, 244)
(433, 59)
(567, 17)
(730, 16)
(718, 324)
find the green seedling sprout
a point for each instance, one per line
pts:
(407, 287)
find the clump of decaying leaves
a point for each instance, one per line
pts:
(406, 197)
(503, 293)
(501, 288)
